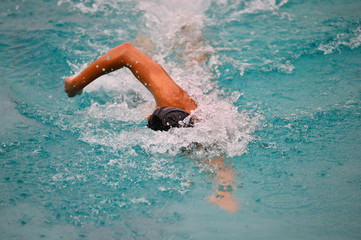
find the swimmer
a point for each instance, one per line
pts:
(173, 104)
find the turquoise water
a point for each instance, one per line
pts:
(279, 94)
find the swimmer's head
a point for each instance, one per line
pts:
(164, 118)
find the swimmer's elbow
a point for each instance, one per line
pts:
(127, 46)
(123, 48)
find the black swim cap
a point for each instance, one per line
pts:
(164, 118)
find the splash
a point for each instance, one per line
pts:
(259, 6)
(351, 40)
(90, 6)
(175, 33)
(233, 10)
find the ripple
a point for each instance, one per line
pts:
(284, 201)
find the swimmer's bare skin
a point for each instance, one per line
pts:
(165, 91)
(225, 185)
(166, 94)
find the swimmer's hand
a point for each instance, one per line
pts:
(70, 88)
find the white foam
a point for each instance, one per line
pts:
(175, 28)
(92, 6)
(261, 5)
(351, 40)
(140, 200)
(237, 8)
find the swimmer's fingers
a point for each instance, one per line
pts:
(73, 93)
(70, 89)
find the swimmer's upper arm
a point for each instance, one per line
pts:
(165, 91)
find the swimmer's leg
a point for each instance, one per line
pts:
(225, 185)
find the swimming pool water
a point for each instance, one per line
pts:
(280, 95)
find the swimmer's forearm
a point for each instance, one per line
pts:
(125, 55)
(165, 91)
(111, 61)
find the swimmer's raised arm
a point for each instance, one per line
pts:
(165, 91)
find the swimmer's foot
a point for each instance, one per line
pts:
(225, 201)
